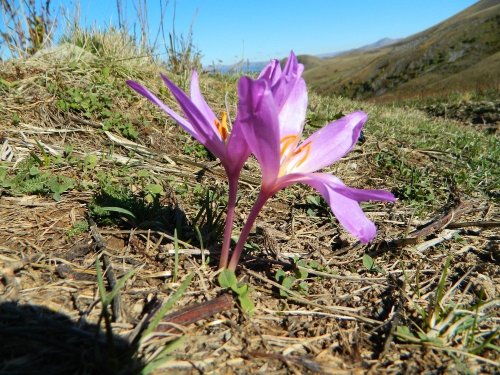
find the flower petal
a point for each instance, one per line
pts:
(364, 195)
(290, 94)
(292, 115)
(197, 118)
(292, 66)
(200, 137)
(342, 200)
(283, 87)
(271, 72)
(199, 101)
(332, 142)
(259, 121)
(237, 147)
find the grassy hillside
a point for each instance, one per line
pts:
(108, 210)
(458, 54)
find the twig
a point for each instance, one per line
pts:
(298, 360)
(378, 280)
(443, 221)
(345, 311)
(193, 251)
(396, 316)
(145, 231)
(100, 242)
(480, 224)
(85, 122)
(196, 312)
(434, 226)
(446, 235)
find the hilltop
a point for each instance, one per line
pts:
(460, 53)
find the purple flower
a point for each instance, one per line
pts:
(228, 145)
(272, 112)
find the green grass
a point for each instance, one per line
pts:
(451, 321)
(421, 160)
(34, 176)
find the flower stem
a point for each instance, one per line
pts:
(231, 205)
(259, 203)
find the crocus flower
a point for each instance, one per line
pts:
(272, 112)
(228, 145)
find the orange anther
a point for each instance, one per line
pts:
(222, 126)
(286, 142)
(307, 148)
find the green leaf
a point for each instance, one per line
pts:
(90, 161)
(368, 262)
(34, 170)
(310, 212)
(246, 302)
(300, 273)
(118, 209)
(167, 306)
(58, 185)
(176, 256)
(314, 265)
(16, 120)
(313, 199)
(3, 173)
(105, 71)
(240, 289)
(163, 356)
(442, 283)
(227, 279)
(435, 340)
(280, 274)
(404, 331)
(56, 196)
(120, 284)
(304, 286)
(36, 158)
(100, 282)
(143, 173)
(154, 189)
(287, 283)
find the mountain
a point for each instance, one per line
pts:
(312, 61)
(460, 53)
(378, 44)
(242, 66)
(247, 66)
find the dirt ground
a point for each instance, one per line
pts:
(413, 301)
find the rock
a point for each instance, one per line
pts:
(473, 112)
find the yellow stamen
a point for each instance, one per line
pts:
(307, 148)
(290, 160)
(222, 126)
(286, 142)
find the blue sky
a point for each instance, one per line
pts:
(258, 30)
(228, 30)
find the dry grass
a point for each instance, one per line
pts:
(343, 319)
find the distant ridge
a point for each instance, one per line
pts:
(247, 66)
(378, 44)
(460, 53)
(242, 66)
